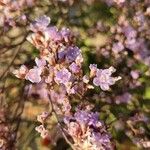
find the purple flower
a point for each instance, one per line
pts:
(21, 72)
(53, 34)
(66, 34)
(103, 78)
(72, 53)
(101, 141)
(63, 76)
(87, 131)
(34, 75)
(83, 117)
(40, 24)
(74, 68)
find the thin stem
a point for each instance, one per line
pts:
(12, 61)
(59, 123)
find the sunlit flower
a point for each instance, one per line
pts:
(74, 68)
(63, 76)
(34, 75)
(40, 24)
(103, 78)
(21, 72)
(41, 129)
(40, 62)
(87, 131)
(72, 53)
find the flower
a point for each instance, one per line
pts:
(40, 24)
(93, 69)
(85, 79)
(21, 72)
(63, 76)
(74, 68)
(53, 34)
(34, 75)
(87, 131)
(103, 78)
(66, 34)
(72, 53)
(42, 117)
(134, 74)
(40, 62)
(41, 129)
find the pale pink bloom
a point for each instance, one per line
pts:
(93, 70)
(44, 133)
(40, 62)
(74, 129)
(37, 40)
(129, 32)
(41, 129)
(87, 131)
(85, 79)
(34, 75)
(21, 72)
(134, 74)
(49, 79)
(79, 59)
(41, 118)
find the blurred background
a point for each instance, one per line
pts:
(125, 109)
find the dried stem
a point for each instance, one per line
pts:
(59, 123)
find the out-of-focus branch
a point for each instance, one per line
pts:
(12, 61)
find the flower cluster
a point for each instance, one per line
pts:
(60, 61)
(87, 131)
(59, 67)
(12, 11)
(132, 36)
(103, 77)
